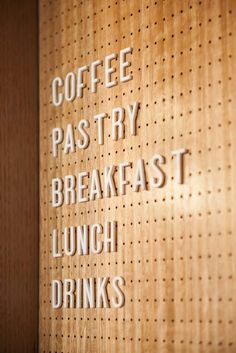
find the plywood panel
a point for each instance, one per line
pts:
(175, 244)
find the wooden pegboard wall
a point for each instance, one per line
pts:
(176, 244)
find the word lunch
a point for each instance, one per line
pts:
(85, 239)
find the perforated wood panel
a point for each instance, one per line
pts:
(175, 244)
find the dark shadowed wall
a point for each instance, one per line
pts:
(18, 176)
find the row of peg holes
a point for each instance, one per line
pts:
(155, 240)
(147, 27)
(163, 59)
(101, 10)
(135, 148)
(172, 218)
(65, 46)
(75, 24)
(173, 300)
(131, 319)
(172, 341)
(163, 99)
(143, 261)
(154, 102)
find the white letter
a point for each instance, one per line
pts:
(69, 140)
(69, 295)
(69, 240)
(120, 300)
(133, 114)
(82, 187)
(109, 70)
(102, 299)
(157, 182)
(57, 98)
(82, 240)
(179, 164)
(88, 293)
(100, 118)
(57, 196)
(94, 79)
(81, 84)
(56, 293)
(95, 186)
(109, 185)
(95, 245)
(69, 189)
(57, 137)
(124, 64)
(122, 180)
(70, 84)
(117, 123)
(140, 178)
(85, 142)
(79, 290)
(110, 242)
(55, 252)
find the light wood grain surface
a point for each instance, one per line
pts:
(176, 244)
